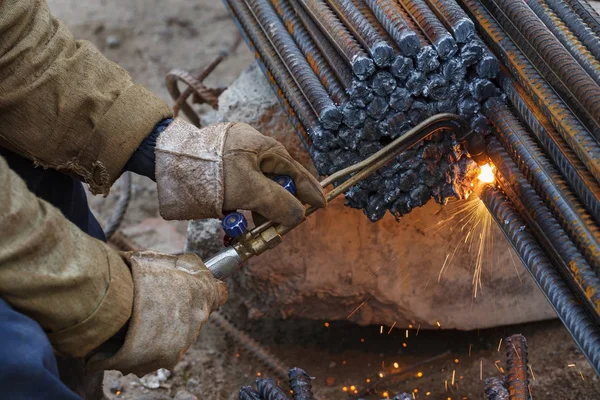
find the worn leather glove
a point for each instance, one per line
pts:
(173, 298)
(201, 173)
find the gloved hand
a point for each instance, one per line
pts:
(173, 298)
(201, 173)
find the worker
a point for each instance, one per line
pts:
(67, 115)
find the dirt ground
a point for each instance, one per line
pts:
(150, 37)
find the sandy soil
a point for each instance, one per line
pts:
(150, 37)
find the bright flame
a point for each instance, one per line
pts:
(487, 174)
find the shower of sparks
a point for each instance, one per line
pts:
(531, 371)
(356, 309)
(471, 223)
(393, 325)
(418, 329)
(480, 370)
(453, 376)
(499, 345)
(516, 351)
(407, 333)
(381, 330)
(582, 378)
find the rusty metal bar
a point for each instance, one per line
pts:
(587, 32)
(433, 29)
(334, 59)
(517, 376)
(319, 64)
(299, 112)
(587, 13)
(388, 13)
(369, 16)
(455, 19)
(295, 63)
(578, 323)
(495, 390)
(579, 178)
(546, 181)
(551, 59)
(573, 132)
(567, 38)
(340, 37)
(550, 235)
(381, 52)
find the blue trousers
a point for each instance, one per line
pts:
(28, 367)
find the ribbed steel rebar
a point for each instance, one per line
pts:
(381, 52)
(248, 393)
(334, 59)
(431, 26)
(546, 181)
(300, 384)
(579, 178)
(367, 13)
(583, 330)
(583, 56)
(293, 102)
(517, 376)
(570, 128)
(587, 13)
(269, 390)
(551, 59)
(387, 12)
(339, 36)
(327, 75)
(588, 37)
(549, 232)
(251, 345)
(297, 66)
(495, 390)
(455, 19)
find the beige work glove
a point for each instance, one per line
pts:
(201, 173)
(173, 298)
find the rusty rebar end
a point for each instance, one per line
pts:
(363, 67)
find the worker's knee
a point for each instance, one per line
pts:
(27, 363)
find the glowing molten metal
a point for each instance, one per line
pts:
(487, 174)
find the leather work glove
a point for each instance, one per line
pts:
(173, 298)
(201, 173)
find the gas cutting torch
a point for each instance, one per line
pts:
(246, 244)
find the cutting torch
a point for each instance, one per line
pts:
(247, 243)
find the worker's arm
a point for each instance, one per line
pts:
(65, 106)
(82, 292)
(62, 103)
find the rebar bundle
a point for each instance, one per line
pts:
(355, 75)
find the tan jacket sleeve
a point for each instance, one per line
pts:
(62, 103)
(77, 288)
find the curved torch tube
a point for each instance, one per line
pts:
(268, 235)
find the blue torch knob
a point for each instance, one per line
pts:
(287, 182)
(234, 224)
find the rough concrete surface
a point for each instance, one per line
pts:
(154, 36)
